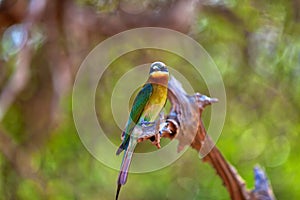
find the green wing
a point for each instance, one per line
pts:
(137, 109)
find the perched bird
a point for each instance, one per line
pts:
(146, 107)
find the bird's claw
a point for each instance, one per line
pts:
(156, 141)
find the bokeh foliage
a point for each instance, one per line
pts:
(254, 43)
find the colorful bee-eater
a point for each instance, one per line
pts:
(146, 107)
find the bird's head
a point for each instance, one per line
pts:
(159, 73)
(158, 68)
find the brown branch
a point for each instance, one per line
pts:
(231, 179)
(57, 54)
(184, 123)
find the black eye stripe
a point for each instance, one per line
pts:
(164, 69)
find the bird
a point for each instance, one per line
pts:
(146, 107)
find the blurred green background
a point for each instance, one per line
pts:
(255, 44)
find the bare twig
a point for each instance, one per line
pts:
(184, 123)
(57, 54)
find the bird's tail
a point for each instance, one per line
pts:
(124, 168)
